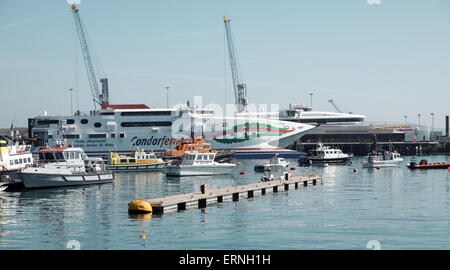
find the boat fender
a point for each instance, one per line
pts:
(238, 163)
(293, 168)
(243, 172)
(139, 206)
(355, 170)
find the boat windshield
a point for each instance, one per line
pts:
(47, 156)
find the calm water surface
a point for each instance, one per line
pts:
(399, 208)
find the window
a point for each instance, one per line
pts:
(71, 155)
(143, 113)
(47, 122)
(20, 161)
(123, 161)
(113, 135)
(94, 136)
(84, 121)
(71, 136)
(107, 113)
(29, 160)
(49, 156)
(122, 135)
(77, 155)
(41, 156)
(146, 124)
(16, 161)
(11, 162)
(97, 124)
(59, 156)
(70, 121)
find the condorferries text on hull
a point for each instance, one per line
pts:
(122, 128)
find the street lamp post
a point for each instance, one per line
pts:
(419, 119)
(432, 125)
(71, 107)
(167, 95)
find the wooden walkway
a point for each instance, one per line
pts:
(201, 200)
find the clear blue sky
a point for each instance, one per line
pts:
(383, 60)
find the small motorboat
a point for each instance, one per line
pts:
(199, 164)
(274, 164)
(64, 166)
(382, 158)
(423, 164)
(325, 155)
(138, 161)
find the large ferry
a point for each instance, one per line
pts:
(122, 128)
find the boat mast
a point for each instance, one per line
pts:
(240, 89)
(100, 99)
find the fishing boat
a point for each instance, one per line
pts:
(13, 158)
(275, 163)
(199, 164)
(325, 154)
(382, 158)
(139, 160)
(64, 166)
(423, 164)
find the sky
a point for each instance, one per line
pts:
(381, 58)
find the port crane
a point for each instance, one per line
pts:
(240, 89)
(335, 106)
(100, 99)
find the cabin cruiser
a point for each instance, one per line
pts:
(275, 163)
(139, 160)
(13, 158)
(199, 164)
(325, 154)
(64, 166)
(382, 158)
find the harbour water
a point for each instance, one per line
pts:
(397, 208)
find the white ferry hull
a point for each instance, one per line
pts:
(46, 180)
(121, 133)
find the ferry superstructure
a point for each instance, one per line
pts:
(122, 128)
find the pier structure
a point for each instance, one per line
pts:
(202, 199)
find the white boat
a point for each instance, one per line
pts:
(122, 128)
(138, 161)
(325, 154)
(275, 163)
(382, 159)
(13, 158)
(199, 164)
(64, 166)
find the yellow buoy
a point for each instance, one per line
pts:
(140, 206)
(355, 170)
(313, 175)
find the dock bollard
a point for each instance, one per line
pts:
(203, 188)
(140, 206)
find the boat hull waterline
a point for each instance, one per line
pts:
(44, 180)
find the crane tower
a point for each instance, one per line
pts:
(240, 89)
(100, 99)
